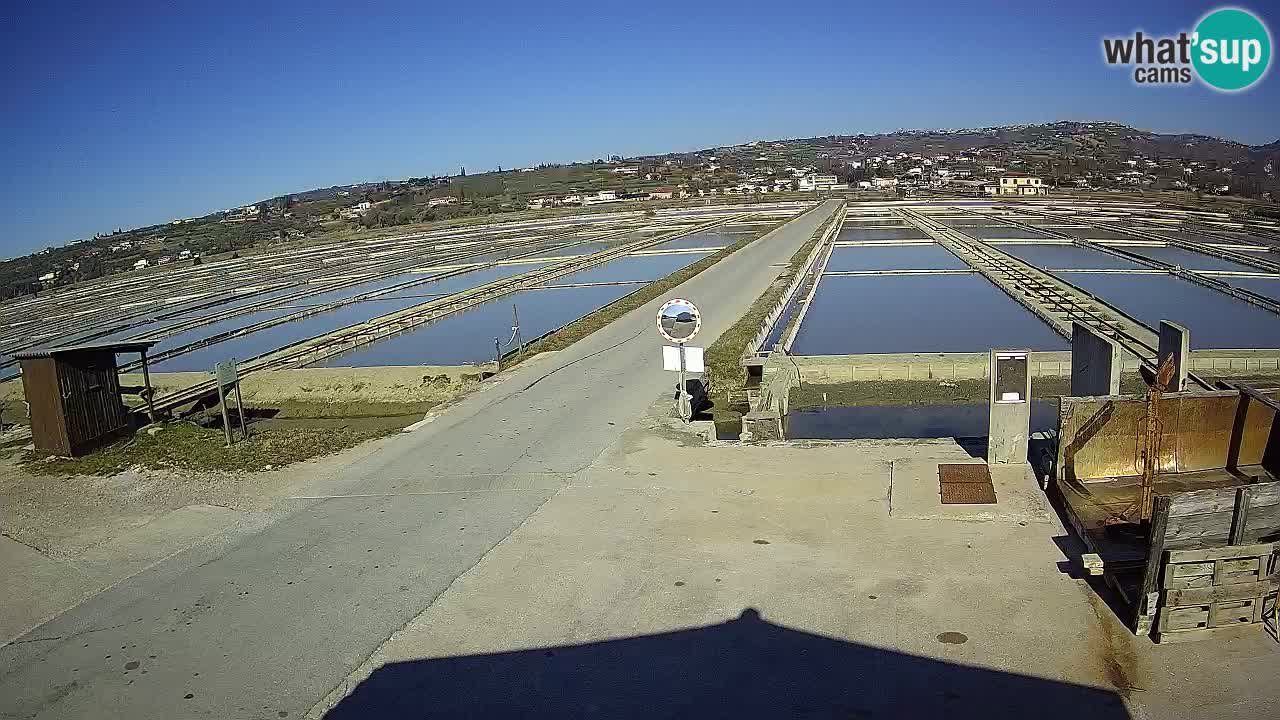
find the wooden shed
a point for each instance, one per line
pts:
(74, 394)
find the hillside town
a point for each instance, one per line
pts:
(1009, 161)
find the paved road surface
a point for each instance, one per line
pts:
(266, 621)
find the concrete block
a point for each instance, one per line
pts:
(1095, 363)
(762, 426)
(1009, 429)
(1176, 340)
(894, 373)
(916, 496)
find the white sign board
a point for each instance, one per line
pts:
(225, 372)
(693, 359)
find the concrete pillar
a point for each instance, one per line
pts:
(1010, 425)
(1175, 340)
(1095, 363)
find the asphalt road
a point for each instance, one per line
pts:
(266, 621)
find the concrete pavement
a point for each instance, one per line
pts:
(264, 621)
(671, 579)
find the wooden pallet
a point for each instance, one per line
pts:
(1214, 588)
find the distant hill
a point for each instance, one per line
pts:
(1105, 155)
(1063, 137)
(329, 193)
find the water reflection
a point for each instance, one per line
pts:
(917, 313)
(960, 420)
(894, 257)
(1216, 320)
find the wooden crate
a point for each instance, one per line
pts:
(1208, 589)
(1221, 537)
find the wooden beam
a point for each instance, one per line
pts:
(1217, 553)
(1254, 394)
(1155, 557)
(1241, 516)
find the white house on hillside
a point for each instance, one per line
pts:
(1020, 183)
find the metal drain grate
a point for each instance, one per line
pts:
(967, 484)
(968, 494)
(966, 473)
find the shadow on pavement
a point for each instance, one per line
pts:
(744, 668)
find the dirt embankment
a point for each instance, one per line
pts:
(397, 384)
(409, 383)
(293, 415)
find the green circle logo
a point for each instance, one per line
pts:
(1232, 49)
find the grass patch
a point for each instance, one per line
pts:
(185, 446)
(584, 326)
(811, 396)
(309, 409)
(724, 371)
(342, 231)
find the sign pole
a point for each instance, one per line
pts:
(515, 330)
(226, 421)
(682, 404)
(678, 322)
(225, 376)
(244, 431)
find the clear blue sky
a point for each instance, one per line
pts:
(120, 114)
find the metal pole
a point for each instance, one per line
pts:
(226, 421)
(515, 327)
(244, 431)
(684, 414)
(497, 352)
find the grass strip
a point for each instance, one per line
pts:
(185, 446)
(584, 326)
(724, 369)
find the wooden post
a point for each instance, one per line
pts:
(1244, 497)
(226, 421)
(147, 392)
(1145, 605)
(244, 431)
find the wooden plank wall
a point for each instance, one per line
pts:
(40, 383)
(1212, 589)
(91, 399)
(1209, 543)
(1224, 516)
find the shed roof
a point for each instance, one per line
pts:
(125, 346)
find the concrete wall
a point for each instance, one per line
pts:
(1175, 340)
(1095, 363)
(834, 369)
(765, 421)
(1009, 427)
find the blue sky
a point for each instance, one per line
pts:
(131, 113)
